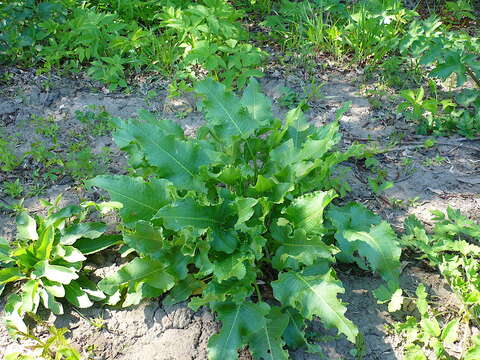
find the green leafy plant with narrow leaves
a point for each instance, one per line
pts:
(427, 334)
(453, 248)
(233, 219)
(45, 261)
(8, 160)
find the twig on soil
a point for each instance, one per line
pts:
(376, 196)
(414, 144)
(404, 178)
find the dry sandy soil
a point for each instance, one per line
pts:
(154, 331)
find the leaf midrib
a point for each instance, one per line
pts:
(208, 219)
(267, 334)
(225, 344)
(228, 114)
(172, 157)
(131, 199)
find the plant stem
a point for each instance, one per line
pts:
(215, 137)
(254, 158)
(257, 289)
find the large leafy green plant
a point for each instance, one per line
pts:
(234, 219)
(47, 259)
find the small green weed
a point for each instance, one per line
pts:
(427, 333)
(46, 127)
(453, 249)
(82, 163)
(13, 188)
(460, 10)
(378, 183)
(97, 121)
(435, 161)
(55, 347)
(8, 160)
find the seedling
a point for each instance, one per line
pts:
(55, 347)
(13, 188)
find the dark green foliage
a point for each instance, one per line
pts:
(112, 39)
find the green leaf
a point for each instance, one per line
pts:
(48, 300)
(294, 333)
(306, 212)
(239, 323)
(143, 270)
(267, 343)
(430, 326)
(245, 209)
(123, 136)
(30, 296)
(450, 332)
(453, 64)
(352, 216)
(70, 254)
(10, 274)
(273, 190)
(258, 105)
(230, 266)
(43, 246)
(229, 290)
(300, 249)
(5, 251)
(414, 352)
(82, 230)
(188, 213)
(183, 290)
(76, 296)
(358, 230)
(57, 273)
(317, 146)
(56, 219)
(315, 295)
(145, 238)
(224, 240)
(224, 111)
(422, 304)
(54, 288)
(380, 247)
(140, 199)
(14, 314)
(91, 246)
(26, 227)
(176, 160)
